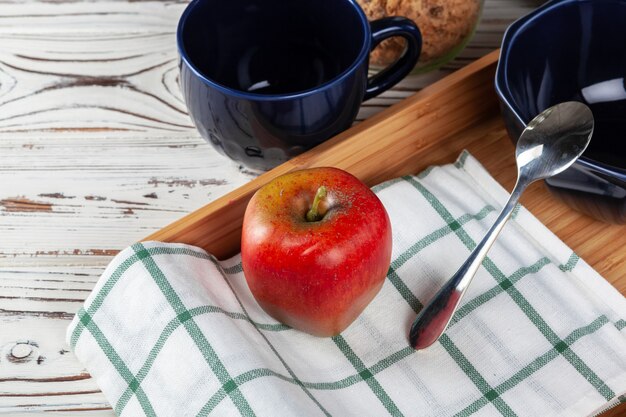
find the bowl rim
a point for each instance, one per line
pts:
(503, 90)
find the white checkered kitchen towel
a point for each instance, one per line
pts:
(169, 331)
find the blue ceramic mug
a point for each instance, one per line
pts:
(265, 80)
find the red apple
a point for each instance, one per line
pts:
(315, 249)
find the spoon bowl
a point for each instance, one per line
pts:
(550, 144)
(554, 140)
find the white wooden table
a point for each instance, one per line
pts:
(97, 152)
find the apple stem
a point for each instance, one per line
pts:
(313, 214)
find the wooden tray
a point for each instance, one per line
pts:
(431, 127)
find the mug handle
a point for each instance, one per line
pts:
(385, 28)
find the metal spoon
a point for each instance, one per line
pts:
(551, 142)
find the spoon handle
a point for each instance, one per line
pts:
(433, 319)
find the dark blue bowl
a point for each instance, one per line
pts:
(573, 50)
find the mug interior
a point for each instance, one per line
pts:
(272, 46)
(574, 51)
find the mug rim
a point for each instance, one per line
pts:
(363, 55)
(503, 89)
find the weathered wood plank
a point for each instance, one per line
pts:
(59, 17)
(131, 86)
(37, 370)
(122, 188)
